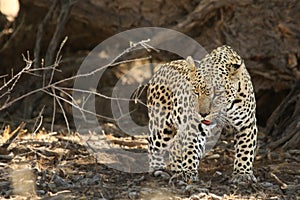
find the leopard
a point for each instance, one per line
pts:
(186, 99)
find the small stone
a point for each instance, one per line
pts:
(41, 192)
(266, 184)
(133, 195)
(219, 173)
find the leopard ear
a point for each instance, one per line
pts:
(235, 68)
(191, 65)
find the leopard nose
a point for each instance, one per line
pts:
(204, 114)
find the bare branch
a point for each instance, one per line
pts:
(53, 114)
(38, 124)
(62, 109)
(13, 81)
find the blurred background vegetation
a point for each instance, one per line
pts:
(265, 33)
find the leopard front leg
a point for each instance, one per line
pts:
(193, 150)
(241, 115)
(176, 156)
(245, 144)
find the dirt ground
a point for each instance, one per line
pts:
(45, 165)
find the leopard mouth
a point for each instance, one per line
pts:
(206, 122)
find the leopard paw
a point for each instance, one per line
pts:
(162, 173)
(243, 178)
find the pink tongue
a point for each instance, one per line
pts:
(206, 122)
